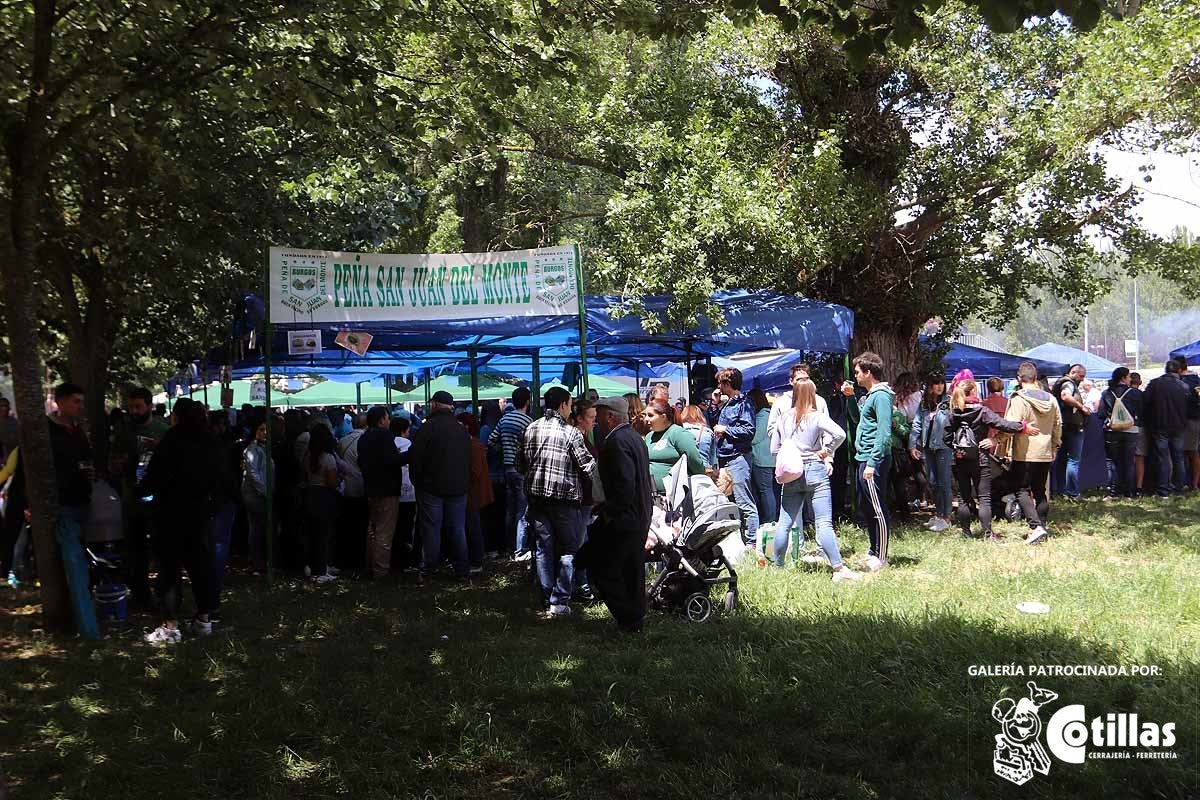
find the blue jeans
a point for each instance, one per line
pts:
(1172, 472)
(515, 504)
(1072, 445)
(220, 534)
(585, 516)
(872, 501)
(766, 493)
(939, 469)
(436, 513)
(475, 538)
(556, 529)
(815, 489)
(743, 496)
(68, 530)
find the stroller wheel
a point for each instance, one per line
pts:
(730, 603)
(698, 607)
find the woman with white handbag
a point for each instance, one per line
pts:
(804, 442)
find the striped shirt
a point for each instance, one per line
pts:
(555, 459)
(507, 435)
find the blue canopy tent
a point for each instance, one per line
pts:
(1188, 352)
(774, 375)
(754, 320)
(1094, 364)
(991, 363)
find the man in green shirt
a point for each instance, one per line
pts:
(873, 452)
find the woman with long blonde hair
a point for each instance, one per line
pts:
(816, 437)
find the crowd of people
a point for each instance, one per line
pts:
(439, 492)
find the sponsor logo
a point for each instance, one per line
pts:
(554, 278)
(1070, 736)
(303, 283)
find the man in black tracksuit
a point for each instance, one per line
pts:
(616, 547)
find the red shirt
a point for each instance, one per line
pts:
(999, 404)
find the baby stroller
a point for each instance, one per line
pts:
(688, 532)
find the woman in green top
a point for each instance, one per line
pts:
(666, 442)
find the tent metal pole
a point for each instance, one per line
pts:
(427, 396)
(687, 373)
(849, 438)
(536, 399)
(269, 473)
(358, 397)
(474, 355)
(583, 369)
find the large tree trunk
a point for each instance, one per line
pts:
(91, 328)
(480, 203)
(896, 346)
(25, 147)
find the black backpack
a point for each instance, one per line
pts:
(960, 437)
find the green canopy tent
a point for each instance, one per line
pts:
(607, 387)
(332, 393)
(490, 388)
(241, 394)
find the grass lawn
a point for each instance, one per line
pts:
(365, 690)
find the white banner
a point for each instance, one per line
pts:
(326, 286)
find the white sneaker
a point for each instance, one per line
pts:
(334, 571)
(938, 525)
(560, 611)
(1036, 535)
(874, 564)
(525, 556)
(163, 635)
(197, 627)
(326, 578)
(845, 575)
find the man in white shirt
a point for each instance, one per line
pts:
(783, 404)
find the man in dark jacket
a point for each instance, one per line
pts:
(1165, 411)
(382, 467)
(1074, 416)
(616, 547)
(735, 431)
(73, 472)
(184, 477)
(1191, 432)
(1121, 441)
(440, 460)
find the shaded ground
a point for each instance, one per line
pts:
(388, 690)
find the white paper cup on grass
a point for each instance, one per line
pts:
(1032, 607)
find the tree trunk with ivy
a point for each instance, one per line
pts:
(25, 150)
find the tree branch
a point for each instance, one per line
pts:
(566, 158)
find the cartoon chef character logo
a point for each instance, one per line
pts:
(1019, 752)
